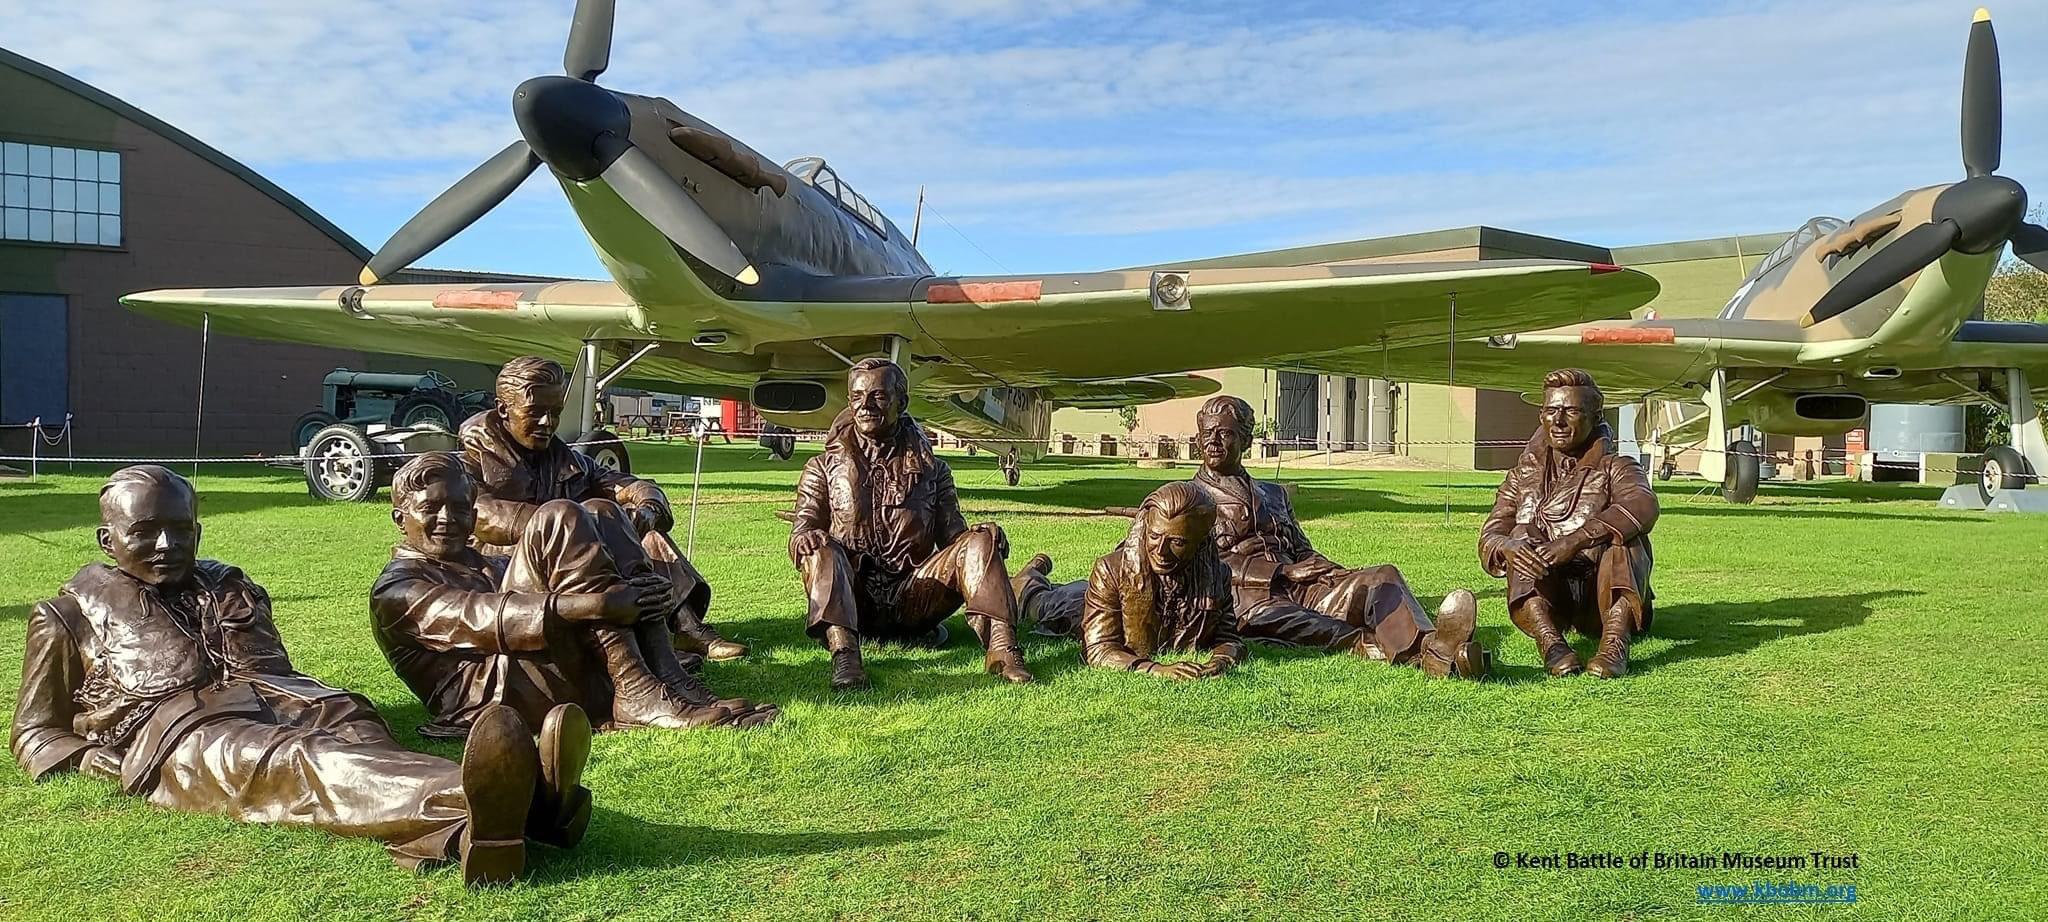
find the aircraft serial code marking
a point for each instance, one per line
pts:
(982, 292)
(477, 300)
(1651, 336)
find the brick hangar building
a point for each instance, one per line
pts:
(99, 199)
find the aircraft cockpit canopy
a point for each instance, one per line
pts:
(1775, 264)
(821, 177)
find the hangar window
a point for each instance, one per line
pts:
(53, 194)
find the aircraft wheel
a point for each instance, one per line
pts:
(2004, 469)
(1011, 475)
(1744, 467)
(780, 442)
(313, 422)
(1666, 471)
(341, 465)
(608, 450)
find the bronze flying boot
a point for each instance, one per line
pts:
(847, 672)
(1000, 639)
(694, 636)
(500, 767)
(639, 696)
(1533, 617)
(561, 804)
(1611, 662)
(1450, 650)
(667, 665)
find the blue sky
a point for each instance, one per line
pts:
(1076, 134)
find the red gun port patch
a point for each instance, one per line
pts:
(477, 300)
(1628, 336)
(982, 292)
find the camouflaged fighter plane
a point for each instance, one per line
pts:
(1843, 314)
(737, 278)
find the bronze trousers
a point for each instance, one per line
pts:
(1588, 584)
(329, 764)
(847, 589)
(1336, 612)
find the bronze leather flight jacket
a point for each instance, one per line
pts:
(1131, 613)
(1599, 489)
(895, 510)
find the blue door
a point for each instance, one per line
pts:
(35, 359)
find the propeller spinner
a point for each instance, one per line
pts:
(1977, 215)
(582, 132)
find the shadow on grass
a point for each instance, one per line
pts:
(619, 840)
(1715, 630)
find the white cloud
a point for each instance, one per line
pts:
(1086, 119)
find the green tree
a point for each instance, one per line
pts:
(1129, 417)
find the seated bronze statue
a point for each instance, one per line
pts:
(1163, 589)
(1570, 529)
(518, 464)
(573, 615)
(881, 544)
(1289, 594)
(165, 673)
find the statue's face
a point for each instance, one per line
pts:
(1221, 444)
(1171, 542)
(437, 518)
(876, 400)
(1568, 417)
(152, 533)
(532, 420)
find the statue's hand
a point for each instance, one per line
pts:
(1530, 561)
(655, 595)
(805, 543)
(1563, 547)
(1182, 671)
(647, 518)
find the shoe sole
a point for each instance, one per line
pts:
(500, 768)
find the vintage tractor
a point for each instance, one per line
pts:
(370, 422)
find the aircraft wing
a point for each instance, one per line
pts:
(1666, 359)
(1038, 330)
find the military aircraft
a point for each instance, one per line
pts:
(1841, 315)
(734, 277)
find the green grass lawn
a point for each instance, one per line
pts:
(1839, 668)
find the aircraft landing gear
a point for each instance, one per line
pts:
(1011, 471)
(1738, 483)
(2004, 469)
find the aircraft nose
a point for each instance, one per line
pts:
(562, 119)
(1987, 208)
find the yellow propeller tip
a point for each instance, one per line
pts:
(748, 276)
(1805, 320)
(368, 277)
(1983, 15)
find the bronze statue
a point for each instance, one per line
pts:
(881, 544)
(1163, 588)
(165, 673)
(518, 464)
(574, 614)
(1570, 529)
(1289, 594)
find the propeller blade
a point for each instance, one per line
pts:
(649, 189)
(453, 210)
(1894, 263)
(2030, 244)
(590, 40)
(1983, 121)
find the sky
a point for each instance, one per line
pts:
(1068, 135)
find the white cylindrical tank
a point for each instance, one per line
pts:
(1901, 433)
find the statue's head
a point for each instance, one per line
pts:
(1572, 404)
(532, 392)
(877, 391)
(1173, 526)
(1223, 428)
(149, 524)
(434, 502)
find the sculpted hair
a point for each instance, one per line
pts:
(425, 469)
(1579, 378)
(1180, 499)
(523, 374)
(1236, 408)
(897, 379)
(144, 477)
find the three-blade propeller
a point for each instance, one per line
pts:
(1977, 215)
(582, 132)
